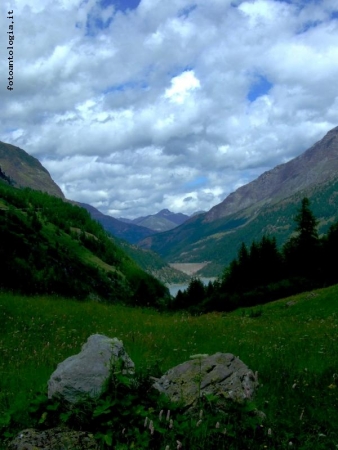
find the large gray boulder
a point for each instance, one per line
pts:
(86, 373)
(53, 439)
(222, 375)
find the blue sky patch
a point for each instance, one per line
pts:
(261, 87)
(178, 70)
(126, 86)
(184, 12)
(121, 5)
(197, 182)
(95, 24)
(308, 25)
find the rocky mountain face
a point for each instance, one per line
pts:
(164, 220)
(315, 166)
(26, 171)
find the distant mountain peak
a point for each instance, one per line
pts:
(164, 220)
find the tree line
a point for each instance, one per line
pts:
(51, 246)
(263, 272)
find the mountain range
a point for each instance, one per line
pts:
(129, 231)
(267, 205)
(164, 220)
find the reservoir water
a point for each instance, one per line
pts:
(174, 288)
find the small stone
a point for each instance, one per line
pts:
(53, 439)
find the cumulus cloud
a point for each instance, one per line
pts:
(139, 105)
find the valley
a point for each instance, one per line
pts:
(74, 276)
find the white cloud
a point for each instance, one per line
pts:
(128, 109)
(182, 86)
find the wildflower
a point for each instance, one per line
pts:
(167, 447)
(146, 422)
(301, 416)
(225, 431)
(198, 423)
(151, 426)
(168, 415)
(179, 445)
(201, 414)
(332, 386)
(294, 385)
(160, 415)
(171, 423)
(123, 431)
(217, 425)
(269, 432)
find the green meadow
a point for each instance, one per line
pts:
(293, 348)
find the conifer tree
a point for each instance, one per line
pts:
(301, 251)
(306, 224)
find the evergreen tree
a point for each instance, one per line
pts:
(301, 252)
(306, 225)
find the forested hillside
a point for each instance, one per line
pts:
(51, 246)
(262, 272)
(265, 205)
(220, 240)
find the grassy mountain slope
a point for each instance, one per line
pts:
(125, 234)
(51, 246)
(26, 171)
(293, 349)
(152, 263)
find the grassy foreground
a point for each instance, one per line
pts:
(293, 348)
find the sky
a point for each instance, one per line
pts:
(134, 106)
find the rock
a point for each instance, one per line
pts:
(53, 439)
(290, 303)
(221, 374)
(86, 373)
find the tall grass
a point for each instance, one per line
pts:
(293, 348)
